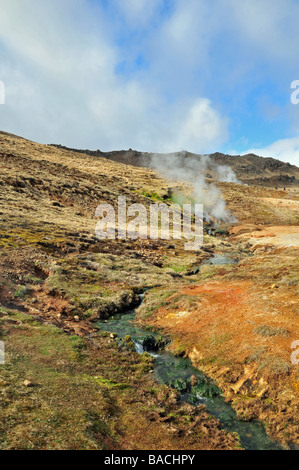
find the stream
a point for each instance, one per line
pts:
(179, 373)
(176, 372)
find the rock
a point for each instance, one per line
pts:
(173, 430)
(76, 318)
(28, 383)
(113, 335)
(205, 429)
(263, 393)
(193, 380)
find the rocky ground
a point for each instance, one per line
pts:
(236, 322)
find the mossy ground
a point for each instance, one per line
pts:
(86, 395)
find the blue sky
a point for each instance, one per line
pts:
(155, 75)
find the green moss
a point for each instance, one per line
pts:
(177, 268)
(153, 195)
(268, 401)
(108, 383)
(22, 292)
(77, 394)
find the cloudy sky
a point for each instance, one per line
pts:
(154, 75)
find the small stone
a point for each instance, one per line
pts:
(28, 383)
(274, 286)
(193, 380)
(113, 335)
(76, 318)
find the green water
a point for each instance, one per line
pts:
(176, 372)
(216, 260)
(220, 260)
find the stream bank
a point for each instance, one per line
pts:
(193, 385)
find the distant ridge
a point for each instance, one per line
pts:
(250, 169)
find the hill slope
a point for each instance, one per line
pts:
(235, 321)
(250, 169)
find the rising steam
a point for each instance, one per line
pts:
(194, 170)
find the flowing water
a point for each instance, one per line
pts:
(216, 260)
(176, 372)
(220, 260)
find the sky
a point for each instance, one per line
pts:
(153, 75)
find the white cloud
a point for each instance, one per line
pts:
(182, 45)
(286, 150)
(271, 28)
(138, 12)
(201, 127)
(59, 38)
(59, 64)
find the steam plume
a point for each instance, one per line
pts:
(194, 170)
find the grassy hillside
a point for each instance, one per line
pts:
(66, 385)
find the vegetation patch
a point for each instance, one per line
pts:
(269, 331)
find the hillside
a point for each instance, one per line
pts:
(232, 307)
(250, 169)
